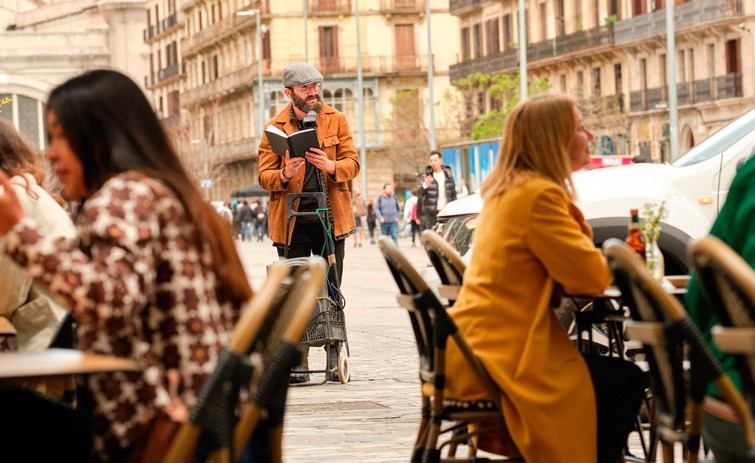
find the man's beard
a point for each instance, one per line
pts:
(305, 107)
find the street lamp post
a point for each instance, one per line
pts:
(260, 96)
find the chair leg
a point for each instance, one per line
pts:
(668, 452)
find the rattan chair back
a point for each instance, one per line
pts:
(447, 263)
(433, 328)
(664, 327)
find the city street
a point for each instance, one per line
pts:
(374, 418)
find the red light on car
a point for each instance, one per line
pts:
(704, 200)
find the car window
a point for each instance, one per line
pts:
(719, 141)
(459, 231)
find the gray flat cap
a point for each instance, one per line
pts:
(300, 74)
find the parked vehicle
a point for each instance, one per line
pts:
(695, 187)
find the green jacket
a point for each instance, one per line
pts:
(735, 225)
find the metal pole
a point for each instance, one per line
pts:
(306, 32)
(360, 110)
(430, 71)
(673, 115)
(522, 53)
(260, 92)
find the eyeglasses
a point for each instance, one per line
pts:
(317, 86)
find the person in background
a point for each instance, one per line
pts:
(436, 189)
(371, 220)
(246, 218)
(360, 215)
(36, 316)
(153, 274)
(227, 216)
(410, 215)
(735, 227)
(463, 191)
(532, 244)
(387, 212)
(260, 218)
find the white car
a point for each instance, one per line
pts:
(695, 187)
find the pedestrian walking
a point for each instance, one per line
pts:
(387, 211)
(246, 218)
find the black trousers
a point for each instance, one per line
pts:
(308, 239)
(619, 388)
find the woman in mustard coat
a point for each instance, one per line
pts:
(532, 245)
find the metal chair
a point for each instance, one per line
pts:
(464, 420)
(663, 326)
(263, 348)
(447, 263)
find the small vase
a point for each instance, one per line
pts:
(654, 260)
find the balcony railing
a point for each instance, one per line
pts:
(371, 64)
(687, 14)
(547, 49)
(399, 6)
(487, 65)
(153, 30)
(456, 5)
(211, 35)
(581, 40)
(687, 93)
(329, 6)
(233, 82)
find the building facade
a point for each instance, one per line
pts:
(41, 45)
(611, 56)
(205, 66)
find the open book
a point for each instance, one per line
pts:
(297, 144)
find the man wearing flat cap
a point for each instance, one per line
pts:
(330, 167)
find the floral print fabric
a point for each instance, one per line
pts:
(140, 285)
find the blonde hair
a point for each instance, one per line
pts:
(536, 138)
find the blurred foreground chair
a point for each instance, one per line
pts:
(729, 283)
(263, 348)
(665, 329)
(432, 329)
(447, 263)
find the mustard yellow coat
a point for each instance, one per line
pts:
(527, 240)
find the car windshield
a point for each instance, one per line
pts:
(719, 141)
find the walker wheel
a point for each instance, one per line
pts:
(343, 369)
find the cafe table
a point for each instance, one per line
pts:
(6, 328)
(606, 310)
(59, 362)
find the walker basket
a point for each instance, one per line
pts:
(325, 327)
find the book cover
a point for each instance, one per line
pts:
(297, 144)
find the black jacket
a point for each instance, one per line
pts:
(428, 197)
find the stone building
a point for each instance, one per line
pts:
(611, 55)
(41, 45)
(204, 71)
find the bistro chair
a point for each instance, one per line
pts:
(447, 263)
(729, 283)
(665, 329)
(446, 423)
(263, 348)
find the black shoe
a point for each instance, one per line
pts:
(296, 377)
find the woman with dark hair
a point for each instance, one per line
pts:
(35, 316)
(153, 275)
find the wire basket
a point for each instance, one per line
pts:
(326, 326)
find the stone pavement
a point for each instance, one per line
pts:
(374, 417)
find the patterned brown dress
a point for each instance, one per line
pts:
(139, 286)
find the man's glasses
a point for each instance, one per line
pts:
(316, 86)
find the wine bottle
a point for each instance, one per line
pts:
(635, 238)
